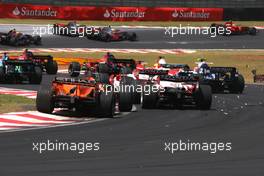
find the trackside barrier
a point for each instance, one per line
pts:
(28, 11)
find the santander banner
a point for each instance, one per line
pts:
(27, 11)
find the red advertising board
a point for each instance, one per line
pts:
(28, 11)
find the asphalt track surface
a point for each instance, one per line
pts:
(148, 39)
(134, 144)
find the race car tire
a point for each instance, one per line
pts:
(37, 77)
(44, 101)
(137, 95)
(213, 27)
(238, 85)
(107, 38)
(106, 104)
(149, 99)
(125, 94)
(252, 31)
(74, 69)
(52, 67)
(103, 68)
(133, 37)
(2, 74)
(126, 70)
(104, 78)
(37, 40)
(204, 97)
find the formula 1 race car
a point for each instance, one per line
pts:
(17, 71)
(229, 28)
(113, 71)
(223, 78)
(82, 94)
(182, 89)
(47, 63)
(19, 39)
(109, 34)
(72, 29)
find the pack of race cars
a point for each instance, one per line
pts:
(106, 84)
(106, 34)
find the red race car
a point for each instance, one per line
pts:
(229, 28)
(109, 34)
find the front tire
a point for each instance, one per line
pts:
(52, 67)
(74, 69)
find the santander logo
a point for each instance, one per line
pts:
(175, 14)
(30, 11)
(16, 11)
(191, 14)
(116, 13)
(107, 14)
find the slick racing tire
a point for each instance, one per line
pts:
(238, 85)
(149, 99)
(136, 95)
(52, 67)
(36, 40)
(105, 104)
(252, 31)
(74, 69)
(103, 68)
(2, 74)
(204, 97)
(104, 78)
(126, 70)
(44, 101)
(36, 78)
(132, 37)
(126, 94)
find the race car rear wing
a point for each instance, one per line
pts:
(175, 66)
(131, 62)
(74, 81)
(153, 72)
(18, 62)
(192, 78)
(223, 70)
(43, 57)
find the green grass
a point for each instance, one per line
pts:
(129, 23)
(12, 103)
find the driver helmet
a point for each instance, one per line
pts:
(161, 61)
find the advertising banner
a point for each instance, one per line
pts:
(28, 11)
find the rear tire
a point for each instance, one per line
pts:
(238, 85)
(52, 67)
(37, 77)
(104, 78)
(2, 74)
(103, 68)
(44, 101)
(252, 31)
(204, 97)
(126, 97)
(150, 100)
(74, 69)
